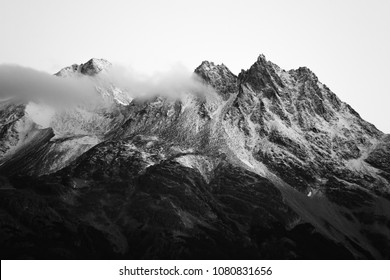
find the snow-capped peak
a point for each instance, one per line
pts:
(90, 68)
(94, 66)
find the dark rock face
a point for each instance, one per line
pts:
(269, 165)
(165, 211)
(9, 115)
(380, 156)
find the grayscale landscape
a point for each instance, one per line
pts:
(195, 130)
(269, 164)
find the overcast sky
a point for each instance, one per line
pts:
(346, 43)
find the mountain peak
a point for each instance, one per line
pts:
(90, 68)
(207, 66)
(261, 58)
(218, 76)
(262, 74)
(94, 66)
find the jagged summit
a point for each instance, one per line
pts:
(207, 68)
(262, 76)
(90, 68)
(261, 58)
(218, 76)
(94, 66)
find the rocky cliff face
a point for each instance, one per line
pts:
(269, 164)
(299, 129)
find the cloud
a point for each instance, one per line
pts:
(26, 84)
(171, 83)
(29, 85)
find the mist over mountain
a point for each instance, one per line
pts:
(100, 162)
(25, 84)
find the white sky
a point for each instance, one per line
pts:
(346, 43)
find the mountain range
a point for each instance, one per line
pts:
(269, 164)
